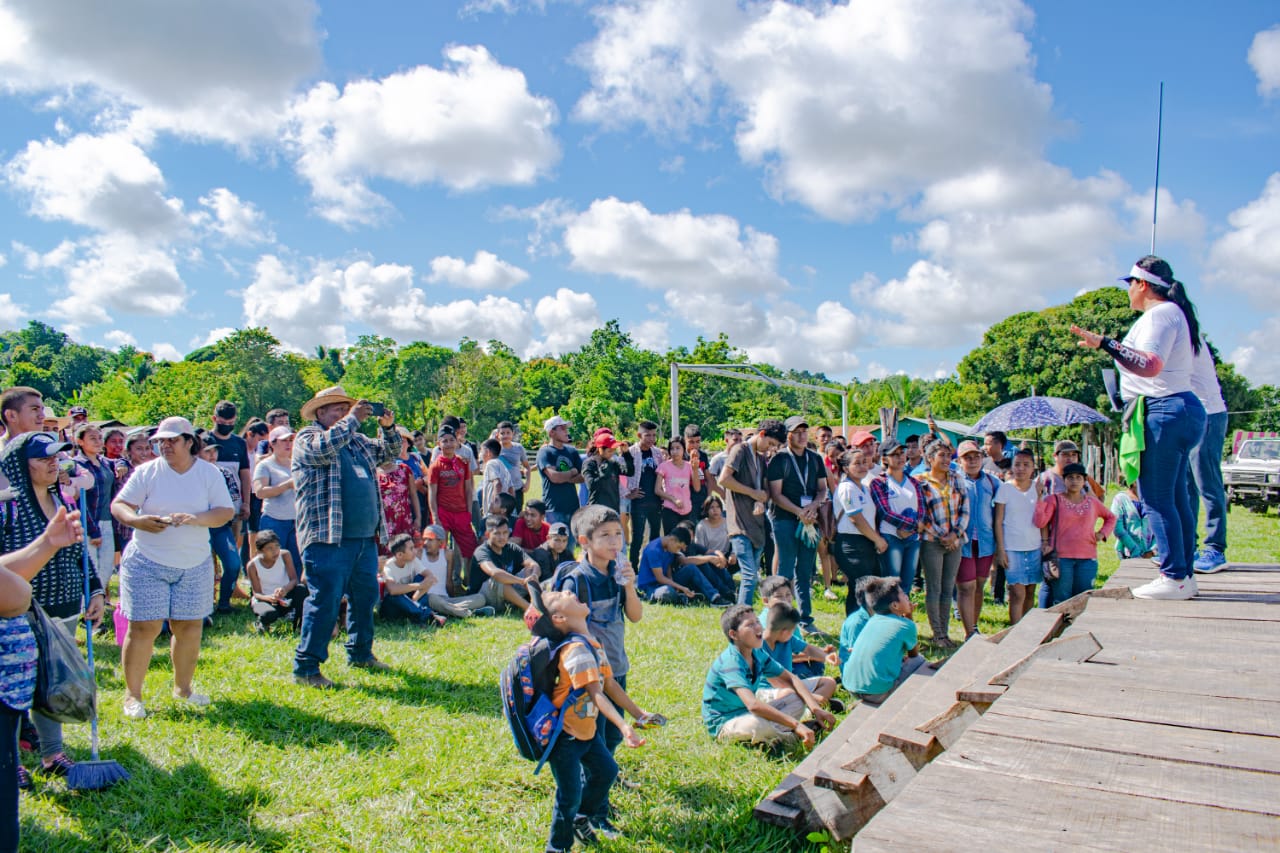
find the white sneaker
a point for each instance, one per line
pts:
(134, 709)
(1167, 589)
(198, 699)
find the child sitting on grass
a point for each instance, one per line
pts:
(749, 698)
(1069, 523)
(274, 579)
(550, 554)
(406, 586)
(778, 590)
(1133, 534)
(855, 621)
(500, 570)
(886, 651)
(531, 527)
(783, 644)
(583, 767)
(432, 563)
(662, 582)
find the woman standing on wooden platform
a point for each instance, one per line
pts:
(1164, 420)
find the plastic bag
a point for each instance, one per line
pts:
(65, 687)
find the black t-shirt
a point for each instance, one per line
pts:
(509, 559)
(233, 457)
(546, 562)
(790, 469)
(559, 497)
(601, 477)
(699, 497)
(648, 477)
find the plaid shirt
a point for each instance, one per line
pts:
(880, 496)
(317, 477)
(944, 517)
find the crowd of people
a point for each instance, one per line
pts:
(332, 524)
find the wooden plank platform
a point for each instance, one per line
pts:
(1169, 737)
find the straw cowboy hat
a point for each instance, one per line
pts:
(324, 397)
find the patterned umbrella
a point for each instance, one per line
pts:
(1032, 412)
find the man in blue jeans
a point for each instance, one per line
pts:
(339, 524)
(742, 476)
(1205, 480)
(797, 487)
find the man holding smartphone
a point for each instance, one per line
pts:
(340, 522)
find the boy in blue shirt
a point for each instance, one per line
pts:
(783, 643)
(876, 665)
(777, 589)
(662, 582)
(749, 698)
(855, 621)
(605, 582)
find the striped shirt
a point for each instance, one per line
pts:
(317, 476)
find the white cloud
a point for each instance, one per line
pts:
(1255, 358)
(1177, 221)
(654, 335)
(666, 250)
(213, 337)
(120, 338)
(117, 272)
(231, 218)
(1264, 57)
(222, 71)
(103, 182)
(164, 351)
(567, 319)
(3, 260)
(332, 301)
(472, 124)
(848, 108)
(1247, 257)
(485, 272)
(12, 315)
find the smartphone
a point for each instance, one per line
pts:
(377, 409)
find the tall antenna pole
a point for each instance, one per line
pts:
(1155, 200)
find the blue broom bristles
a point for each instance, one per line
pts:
(96, 774)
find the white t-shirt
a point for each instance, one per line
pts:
(402, 574)
(438, 569)
(281, 507)
(1162, 331)
(1020, 532)
(1204, 381)
(156, 489)
(874, 471)
(902, 497)
(851, 499)
(271, 577)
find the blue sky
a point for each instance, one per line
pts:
(858, 190)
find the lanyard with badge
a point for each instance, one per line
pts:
(805, 499)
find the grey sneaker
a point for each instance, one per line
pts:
(484, 611)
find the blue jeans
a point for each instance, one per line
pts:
(748, 567)
(604, 729)
(288, 533)
(690, 577)
(332, 571)
(795, 562)
(1174, 426)
(223, 540)
(560, 518)
(1206, 482)
(1074, 577)
(584, 771)
(900, 561)
(404, 607)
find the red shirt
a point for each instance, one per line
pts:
(449, 474)
(530, 539)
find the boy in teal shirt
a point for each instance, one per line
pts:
(876, 664)
(783, 644)
(778, 590)
(748, 697)
(855, 621)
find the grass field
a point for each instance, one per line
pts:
(419, 758)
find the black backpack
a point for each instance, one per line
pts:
(526, 685)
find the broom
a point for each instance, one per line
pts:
(96, 774)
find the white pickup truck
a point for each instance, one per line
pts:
(1252, 476)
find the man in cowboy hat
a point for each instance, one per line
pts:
(339, 523)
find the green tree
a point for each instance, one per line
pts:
(482, 387)
(257, 374)
(548, 383)
(28, 374)
(74, 367)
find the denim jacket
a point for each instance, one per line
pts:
(982, 496)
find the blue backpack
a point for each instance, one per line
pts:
(526, 686)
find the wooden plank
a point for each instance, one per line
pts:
(1190, 660)
(1151, 629)
(1192, 609)
(1206, 682)
(935, 700)
(1017, 642)
(950, 807)
(1077, 603)
(1070, 687)
(1078, 647)
(1263, 581)
(1193, 746)
(1118, 773)
(768, 811)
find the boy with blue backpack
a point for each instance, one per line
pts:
(563, 719)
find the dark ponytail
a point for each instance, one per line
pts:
(1176, 293)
